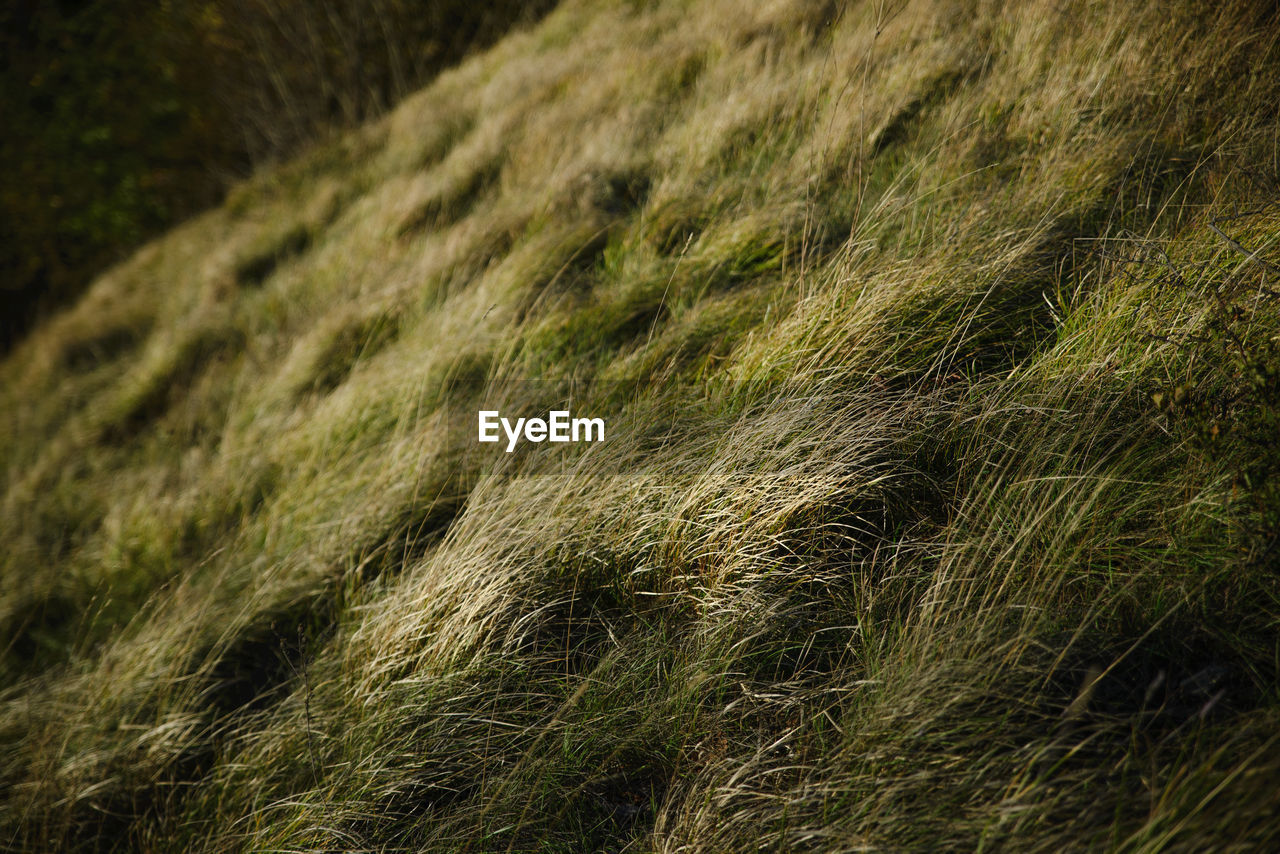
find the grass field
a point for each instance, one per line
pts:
(939, 345)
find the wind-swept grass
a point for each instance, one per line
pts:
(937, 347)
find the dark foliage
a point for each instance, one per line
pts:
(121, 118)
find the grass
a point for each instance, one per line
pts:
(937, 511)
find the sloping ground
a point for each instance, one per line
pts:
(937, 509)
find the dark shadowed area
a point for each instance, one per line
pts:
(118, 119)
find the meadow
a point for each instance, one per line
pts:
(938, 508)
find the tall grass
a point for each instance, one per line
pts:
(936, 344)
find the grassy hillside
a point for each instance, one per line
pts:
(938, 508)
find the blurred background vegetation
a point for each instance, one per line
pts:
(119, 118)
